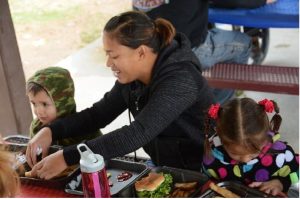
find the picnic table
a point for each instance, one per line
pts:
(280, 14)
(36, 191)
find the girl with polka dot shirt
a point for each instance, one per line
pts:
(245, 146)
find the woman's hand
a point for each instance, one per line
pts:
(273, 187)
(41, 141)
(50, 166)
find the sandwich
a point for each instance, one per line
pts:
(155, 185)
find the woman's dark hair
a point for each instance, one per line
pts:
(244, 121)
(135, 28)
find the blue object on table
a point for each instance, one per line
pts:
(280, 14)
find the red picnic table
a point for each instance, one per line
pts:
(29, 190)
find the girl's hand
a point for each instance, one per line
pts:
(50, 166)
(273, 187)
(41, 141)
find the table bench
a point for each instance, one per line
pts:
(275, 79)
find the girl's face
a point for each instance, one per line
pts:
(123, 61)
(43, 107)
(240, 153)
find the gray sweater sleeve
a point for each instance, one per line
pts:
(91, 119)
(173, 94)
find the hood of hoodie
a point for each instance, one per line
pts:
(59, 85)
(173, 54)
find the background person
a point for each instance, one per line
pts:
(210, 46)
(158, 80)
(246, 147)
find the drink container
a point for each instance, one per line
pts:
(94, 178)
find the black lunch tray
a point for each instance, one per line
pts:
(131, 158)
(18, 144)
(114, 167)
(179, 176)
(237, 188)
(17, 139)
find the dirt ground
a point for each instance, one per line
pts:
(49, 30)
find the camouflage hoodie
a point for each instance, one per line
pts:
(60, 87)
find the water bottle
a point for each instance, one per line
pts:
(94, 178)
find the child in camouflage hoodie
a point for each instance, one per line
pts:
(51, 93)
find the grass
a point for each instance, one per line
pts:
(89, 32)
(44, 16)
(37, 13)
(92, 30)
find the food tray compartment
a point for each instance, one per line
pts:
(114, 167)
(237, 188)
(55, 182)
(17, 139)
(18, 145)
(52, 183)
(179, 176)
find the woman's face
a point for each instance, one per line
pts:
(123, 61)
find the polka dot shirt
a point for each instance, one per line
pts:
(276, 161)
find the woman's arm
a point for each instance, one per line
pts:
(91, 119)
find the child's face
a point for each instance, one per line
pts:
(43, 107)
(240, 153)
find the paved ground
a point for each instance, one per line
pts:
(93, 79)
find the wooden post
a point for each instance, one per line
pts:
(15, 111)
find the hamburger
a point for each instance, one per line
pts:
(155, 185)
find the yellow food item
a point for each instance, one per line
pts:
(223, 191)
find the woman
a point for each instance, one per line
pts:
(158, 80)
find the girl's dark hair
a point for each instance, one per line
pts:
(34, 88)
(135, 28)
(244, 121)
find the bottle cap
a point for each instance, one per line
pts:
(89, 162)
